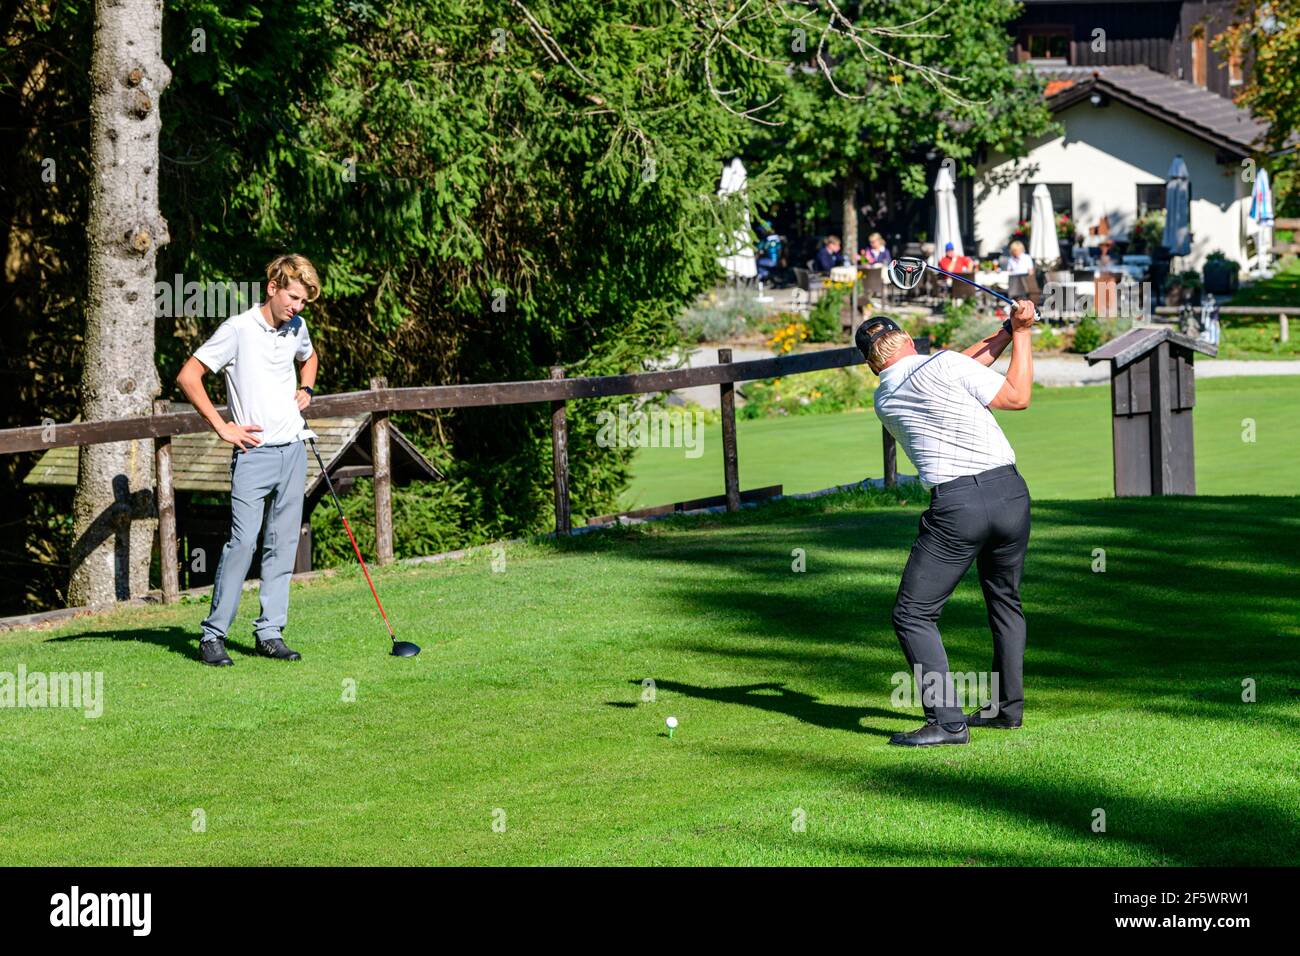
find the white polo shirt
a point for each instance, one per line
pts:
(936, 407)
(261, 380)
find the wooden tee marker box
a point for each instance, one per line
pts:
(1153, 391)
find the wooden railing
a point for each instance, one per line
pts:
(380, 401)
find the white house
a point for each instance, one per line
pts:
(1122, 128)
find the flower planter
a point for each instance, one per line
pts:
(1220, 278)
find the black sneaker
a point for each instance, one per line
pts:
(931, 734)
(275, 648)
(996, 722)
(214, 653)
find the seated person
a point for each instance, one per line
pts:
(769, 256)
(1104, 257)
(829, 255)
(955, 263)
(876, 253)
(1019, 263)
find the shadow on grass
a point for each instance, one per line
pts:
(1180, 830)
(178, 640)
(1190, 603)
(779, 699)
(1198, 595)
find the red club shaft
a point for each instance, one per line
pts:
(366, 572)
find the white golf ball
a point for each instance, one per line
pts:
(671, 721)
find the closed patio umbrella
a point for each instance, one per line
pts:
(738, 258)
(1178, 192)
(1043, 247)
(946, 226)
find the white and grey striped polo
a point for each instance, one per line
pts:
(936, 407)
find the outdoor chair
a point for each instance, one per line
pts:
(874, 286)
(810, 285)
(1025, 287)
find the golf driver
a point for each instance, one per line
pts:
(400, 648)
(906, 273)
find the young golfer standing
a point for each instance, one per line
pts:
(937, 408)
(257, 350)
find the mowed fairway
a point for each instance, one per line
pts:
(527, 707)
(1062, 444)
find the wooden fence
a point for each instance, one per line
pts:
(1283, 313)
(380, 401)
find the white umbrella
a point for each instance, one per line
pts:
(1178, 227)
(946, 227)
(1261, 219)
(1043, 247)
(738, 259)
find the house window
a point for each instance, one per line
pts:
(1150, 197)
(1051, 44)
(1235, 77)
(1062, 199)
(1200, 54)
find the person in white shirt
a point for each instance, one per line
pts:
(937, 408)
(258, 350)
(1019, 263)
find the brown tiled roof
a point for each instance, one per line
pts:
(1192, 108)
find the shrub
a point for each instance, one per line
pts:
(1188, 279)
(1087, 335)
(824, 317)
(720, 315)
(962, 326)
(1047, 340)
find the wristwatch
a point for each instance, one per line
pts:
(308, 389)
(1006, 326)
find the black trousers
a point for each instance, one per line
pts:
(984, 519)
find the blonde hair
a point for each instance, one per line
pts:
(284, 269)
(1016, 243)
(883, 349)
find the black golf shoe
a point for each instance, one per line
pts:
(214, 653)
(275, 648)
(996, 722)
(931, 735)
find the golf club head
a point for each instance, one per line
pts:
(405, 649)
(906, 272)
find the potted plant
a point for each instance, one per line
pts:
(1183, 288)
(1148, 232)
(1220, 273)
(1065, 237)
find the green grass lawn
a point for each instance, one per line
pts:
(1062, 444)
(1282, 289)
(527, 703)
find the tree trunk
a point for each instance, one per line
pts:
(113, 511)
(849, 209)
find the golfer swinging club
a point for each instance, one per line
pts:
(268, 463)
(937, 408)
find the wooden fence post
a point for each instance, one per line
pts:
(891, 457)
(383, 466)
(560, 458)
(730, 462)
(165, 496)
(1283, 330)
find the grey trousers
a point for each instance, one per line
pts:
(984, 519)
(266, 482)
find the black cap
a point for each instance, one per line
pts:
(872, 329)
